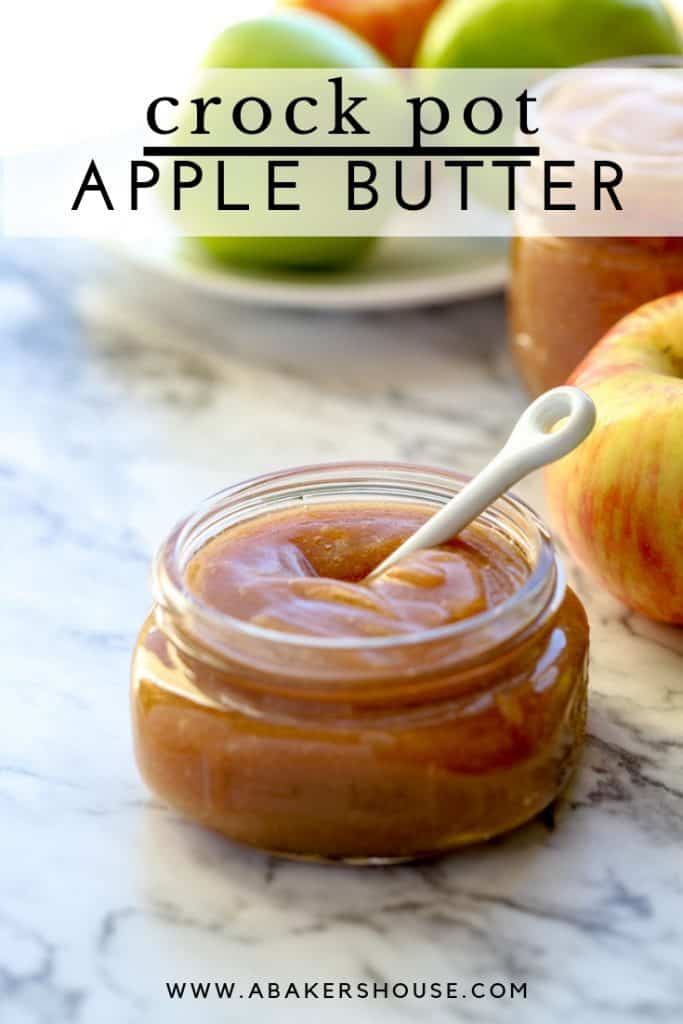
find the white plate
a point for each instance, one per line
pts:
(399, 272)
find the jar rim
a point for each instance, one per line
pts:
(544, 586)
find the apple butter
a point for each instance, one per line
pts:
(283, 701)
(566, 293)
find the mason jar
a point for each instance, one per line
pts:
(365, 750)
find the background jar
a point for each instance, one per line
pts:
(567, 291)
(375, 750)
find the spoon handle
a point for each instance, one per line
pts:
(530, 446)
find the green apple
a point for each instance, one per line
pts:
(545, 33)
(289, 40)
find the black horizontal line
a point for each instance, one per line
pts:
(349, 151)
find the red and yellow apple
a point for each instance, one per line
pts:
(394, 27)
(618, 499)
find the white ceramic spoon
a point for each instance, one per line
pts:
(530, 446)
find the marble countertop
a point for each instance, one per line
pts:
(123, 404)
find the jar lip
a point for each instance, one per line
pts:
(172, 592)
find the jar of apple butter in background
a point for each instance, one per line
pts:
(566, 292)
(282, 702)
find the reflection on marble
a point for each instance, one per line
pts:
(123, 404)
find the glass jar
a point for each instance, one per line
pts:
(370, 750)
(566, 292)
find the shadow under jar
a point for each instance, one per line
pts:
(367, 749)
(567, 292)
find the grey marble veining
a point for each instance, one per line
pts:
(124, 403)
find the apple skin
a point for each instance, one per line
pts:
(289, 39)
(545, 33)
(394, 27)
(617, 500)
